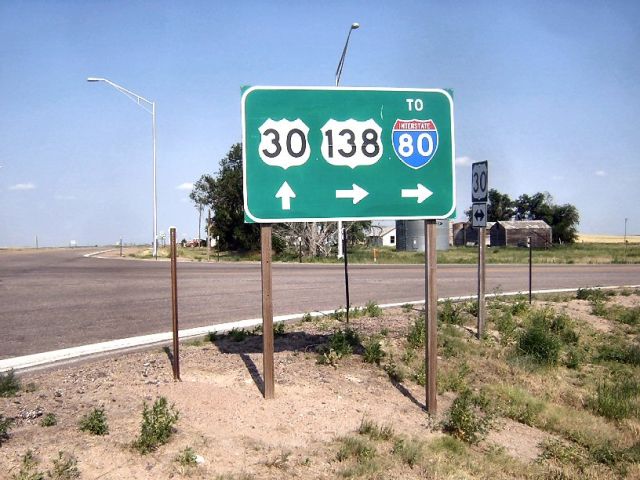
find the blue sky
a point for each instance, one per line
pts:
(547, 91)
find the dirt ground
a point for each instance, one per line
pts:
(223, 415)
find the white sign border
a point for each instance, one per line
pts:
(248, 213)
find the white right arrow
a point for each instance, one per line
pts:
(356, 193)
(286, 194)
(421, 193)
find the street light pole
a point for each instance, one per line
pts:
(354, 26)
(150, 107)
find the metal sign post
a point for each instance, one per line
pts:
(174, 305)
(479, 197)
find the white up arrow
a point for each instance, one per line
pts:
(356, 193)
(421, 193)
(286, 194)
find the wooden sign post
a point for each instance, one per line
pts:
(174, 305)
(430, 315)
(267, 311)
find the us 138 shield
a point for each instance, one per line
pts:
(415, 141)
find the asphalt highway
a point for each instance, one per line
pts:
(53, 299)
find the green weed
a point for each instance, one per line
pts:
(65, 467)
(238, 334)
(157, 425)
(415, 336)
(454, 381)
(468, 419)
(278, 329)
(450, 314)
(5, 426)
(373, 352)
(506, 325)
(28, 468)
(9, 384)
(371, 309)
(95, 422)
(617, 399)
(374, 431)
(49, 420)
(355, 447)
(187, 458)
(410, 451)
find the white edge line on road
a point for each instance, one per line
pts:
(65, 354)
(93, 254)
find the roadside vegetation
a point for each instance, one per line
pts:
(577, 253)
(570, 380)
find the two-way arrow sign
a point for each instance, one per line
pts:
(421, 193)
(479, 215)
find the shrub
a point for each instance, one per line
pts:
(65, 467)
(410, 451)
(95, 422)
(471, 307)
(187, 458)
(49, 420)
(278, 329)
(307, 317)
(157, 425)
(354, 447)
(617, 350)
(506, 325)
(5, 425)
(629, 316)
(618, 399)
(540, 340)
(373, 352)
(540, 345)
(375, 432)
(238, 334)
(343, 341)
(9, 384)
(450, 314)
(415, 336)
(28, 468)
(371, 309)
(592, 294)
(467, 419)
(395, 371)
(520, 305)
(454, 381)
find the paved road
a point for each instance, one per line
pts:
(55, 299)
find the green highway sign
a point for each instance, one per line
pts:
(320, 154)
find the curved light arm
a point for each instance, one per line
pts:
(354, 26)
(133, 96)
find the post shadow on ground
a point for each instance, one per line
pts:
(288, 342)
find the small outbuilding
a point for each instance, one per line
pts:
(465, 235)
(382, 237)
(516, 233)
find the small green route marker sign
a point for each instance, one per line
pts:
(321, 154)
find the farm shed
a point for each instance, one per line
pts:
(465, 234)
(515, 233)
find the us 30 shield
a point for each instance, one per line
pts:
(415, 141)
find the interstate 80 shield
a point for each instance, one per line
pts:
(415, 141)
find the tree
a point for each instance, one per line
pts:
(201, 197)
(225, 197)
(565, 223)
(499, 207)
